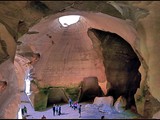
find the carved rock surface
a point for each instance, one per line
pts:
(121, 65)
(89, 89)
(146, 26)
(9, 96)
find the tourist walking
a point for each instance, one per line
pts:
(22, 109)
(59, 110)
(25, 109)
(54, 109)
(79, 110)
(70, 102)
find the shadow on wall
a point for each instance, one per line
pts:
(89, 89)
(3, 85)
(121, 65)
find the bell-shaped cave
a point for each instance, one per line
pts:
(98, 57)
(79, 61)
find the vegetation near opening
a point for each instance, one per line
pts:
(73, 92)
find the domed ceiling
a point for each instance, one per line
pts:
(67, 54)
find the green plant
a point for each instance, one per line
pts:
(35, 83)
(143, 94)
(45, 90)
(40, 101)
(72, 92)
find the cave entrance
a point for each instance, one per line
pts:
(27, 84)
(121, 65)
(19, 116)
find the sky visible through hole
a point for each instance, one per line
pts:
(69, 20)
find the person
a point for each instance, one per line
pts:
(70, 102)
(43, 117)
(59, 110)
(54, 109)
(22, 111)
(75, 105)
(79, 110)
(25, 109)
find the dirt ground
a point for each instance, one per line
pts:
(70, 113)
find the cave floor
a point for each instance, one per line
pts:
(70, 113)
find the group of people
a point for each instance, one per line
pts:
(75, 105)
(56, 110)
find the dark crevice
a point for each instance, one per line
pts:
(121, 65)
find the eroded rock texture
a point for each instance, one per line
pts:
(9, 97)
(141, 15)
(121, 64)
(66, 60)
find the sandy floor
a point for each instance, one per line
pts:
(67, 112)
(70, 113)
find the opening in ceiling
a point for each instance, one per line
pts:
(69, 20)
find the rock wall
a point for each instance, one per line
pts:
(141, 15)
(9, 95)
(121, 66)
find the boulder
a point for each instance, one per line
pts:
(120, 104)
(104, 100)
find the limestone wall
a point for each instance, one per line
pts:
(9, 95)
(140, 29)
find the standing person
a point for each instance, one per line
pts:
(79, 110)
(25, 109)
(22, 111)
(54, 109)
(70, 102)
(59, 110)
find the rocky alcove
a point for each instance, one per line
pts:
(121, 65)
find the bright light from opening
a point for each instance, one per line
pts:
(20, 114)
(28, 83)
(68, 20)
(28, 87)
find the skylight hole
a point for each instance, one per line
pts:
(69, 20)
